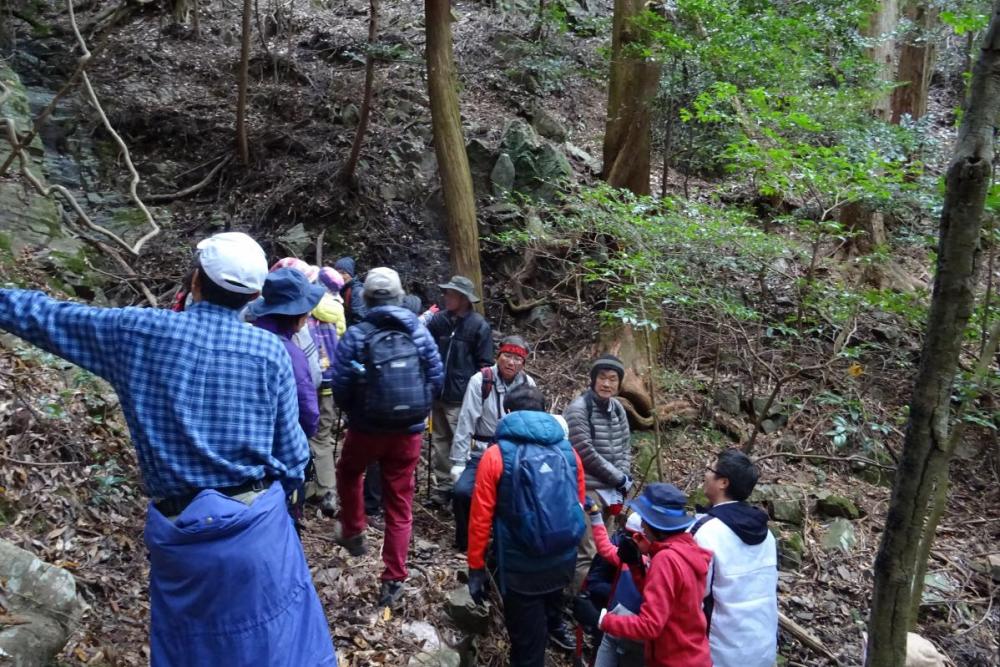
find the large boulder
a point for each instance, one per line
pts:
(45, 604)
(27, 219)
(539, 167)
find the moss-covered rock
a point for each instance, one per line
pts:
(791, 548)
(833, 506)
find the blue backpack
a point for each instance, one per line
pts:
(545, 498)
(395, 394)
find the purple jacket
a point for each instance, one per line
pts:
(325, 335)
(304, 387)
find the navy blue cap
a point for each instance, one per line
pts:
(662, 506)
(287, 292)
(345, 264)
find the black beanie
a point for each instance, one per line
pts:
(606, 362)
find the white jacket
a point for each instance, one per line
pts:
(743, 584)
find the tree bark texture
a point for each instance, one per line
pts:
(242, 143)
(925, 447)
(631, 91)
(449, 144)
(916, 65)
(347, 173)
(881, 24)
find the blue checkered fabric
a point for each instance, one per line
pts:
(210, 401)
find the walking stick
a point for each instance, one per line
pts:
(430, 446)
(336, 434)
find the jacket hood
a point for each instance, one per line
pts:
(683, 545)
(748, 522)
(386, 315)
(530, 427)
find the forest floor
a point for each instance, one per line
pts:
(70, 485)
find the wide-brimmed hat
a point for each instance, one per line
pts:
(462, 285)
(287, 292)
(662, 506)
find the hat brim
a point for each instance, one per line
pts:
(461, 290)
(300, 306)
(659, 519)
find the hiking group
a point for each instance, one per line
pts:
(235, 403)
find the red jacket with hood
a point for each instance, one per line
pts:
(671, 620)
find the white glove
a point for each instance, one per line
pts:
(456, 471)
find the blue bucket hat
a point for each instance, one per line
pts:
(662, 506)
(287, 292)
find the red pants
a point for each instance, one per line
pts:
(398, 455)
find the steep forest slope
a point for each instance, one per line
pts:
(823, 403)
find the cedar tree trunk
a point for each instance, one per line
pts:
(449, 144)
(916, 65)
(925, 448)
(881, 24)
(632, 87)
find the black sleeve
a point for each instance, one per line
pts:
(437, 325)
(484, 351)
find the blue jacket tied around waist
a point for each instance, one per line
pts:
(203, 612)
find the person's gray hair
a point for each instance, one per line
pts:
(375, 301)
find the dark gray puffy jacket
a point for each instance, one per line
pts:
(600, 435)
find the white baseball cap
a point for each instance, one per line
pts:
(233, 261)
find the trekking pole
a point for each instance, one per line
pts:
(336, 435)
(430, 446)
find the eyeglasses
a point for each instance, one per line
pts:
(712, 470)
(511, 358)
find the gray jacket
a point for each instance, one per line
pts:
(600, 435)
(478, 420)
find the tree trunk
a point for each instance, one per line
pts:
(940, 501)
(182, 10)
(242, 144)
(449, 144)
(630, 94)
(916, 65)
(881, 24)
(925, 447)
(347, 173)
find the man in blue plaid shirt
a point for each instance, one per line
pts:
(211, 406)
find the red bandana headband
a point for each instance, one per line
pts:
(514, 349)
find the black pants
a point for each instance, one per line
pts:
(528, 619)
(373, 489)
(461, 501)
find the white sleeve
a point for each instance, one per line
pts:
(472, 409)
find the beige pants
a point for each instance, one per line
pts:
(444, 421)
(322, 445)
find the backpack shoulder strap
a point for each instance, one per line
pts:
(488, 381)
(699, 523)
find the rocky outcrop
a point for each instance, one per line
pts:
(43, 608)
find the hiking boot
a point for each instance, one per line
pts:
(328, 505)
(562, 637)
(390, 594)
(376, 521)
(355, 544)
